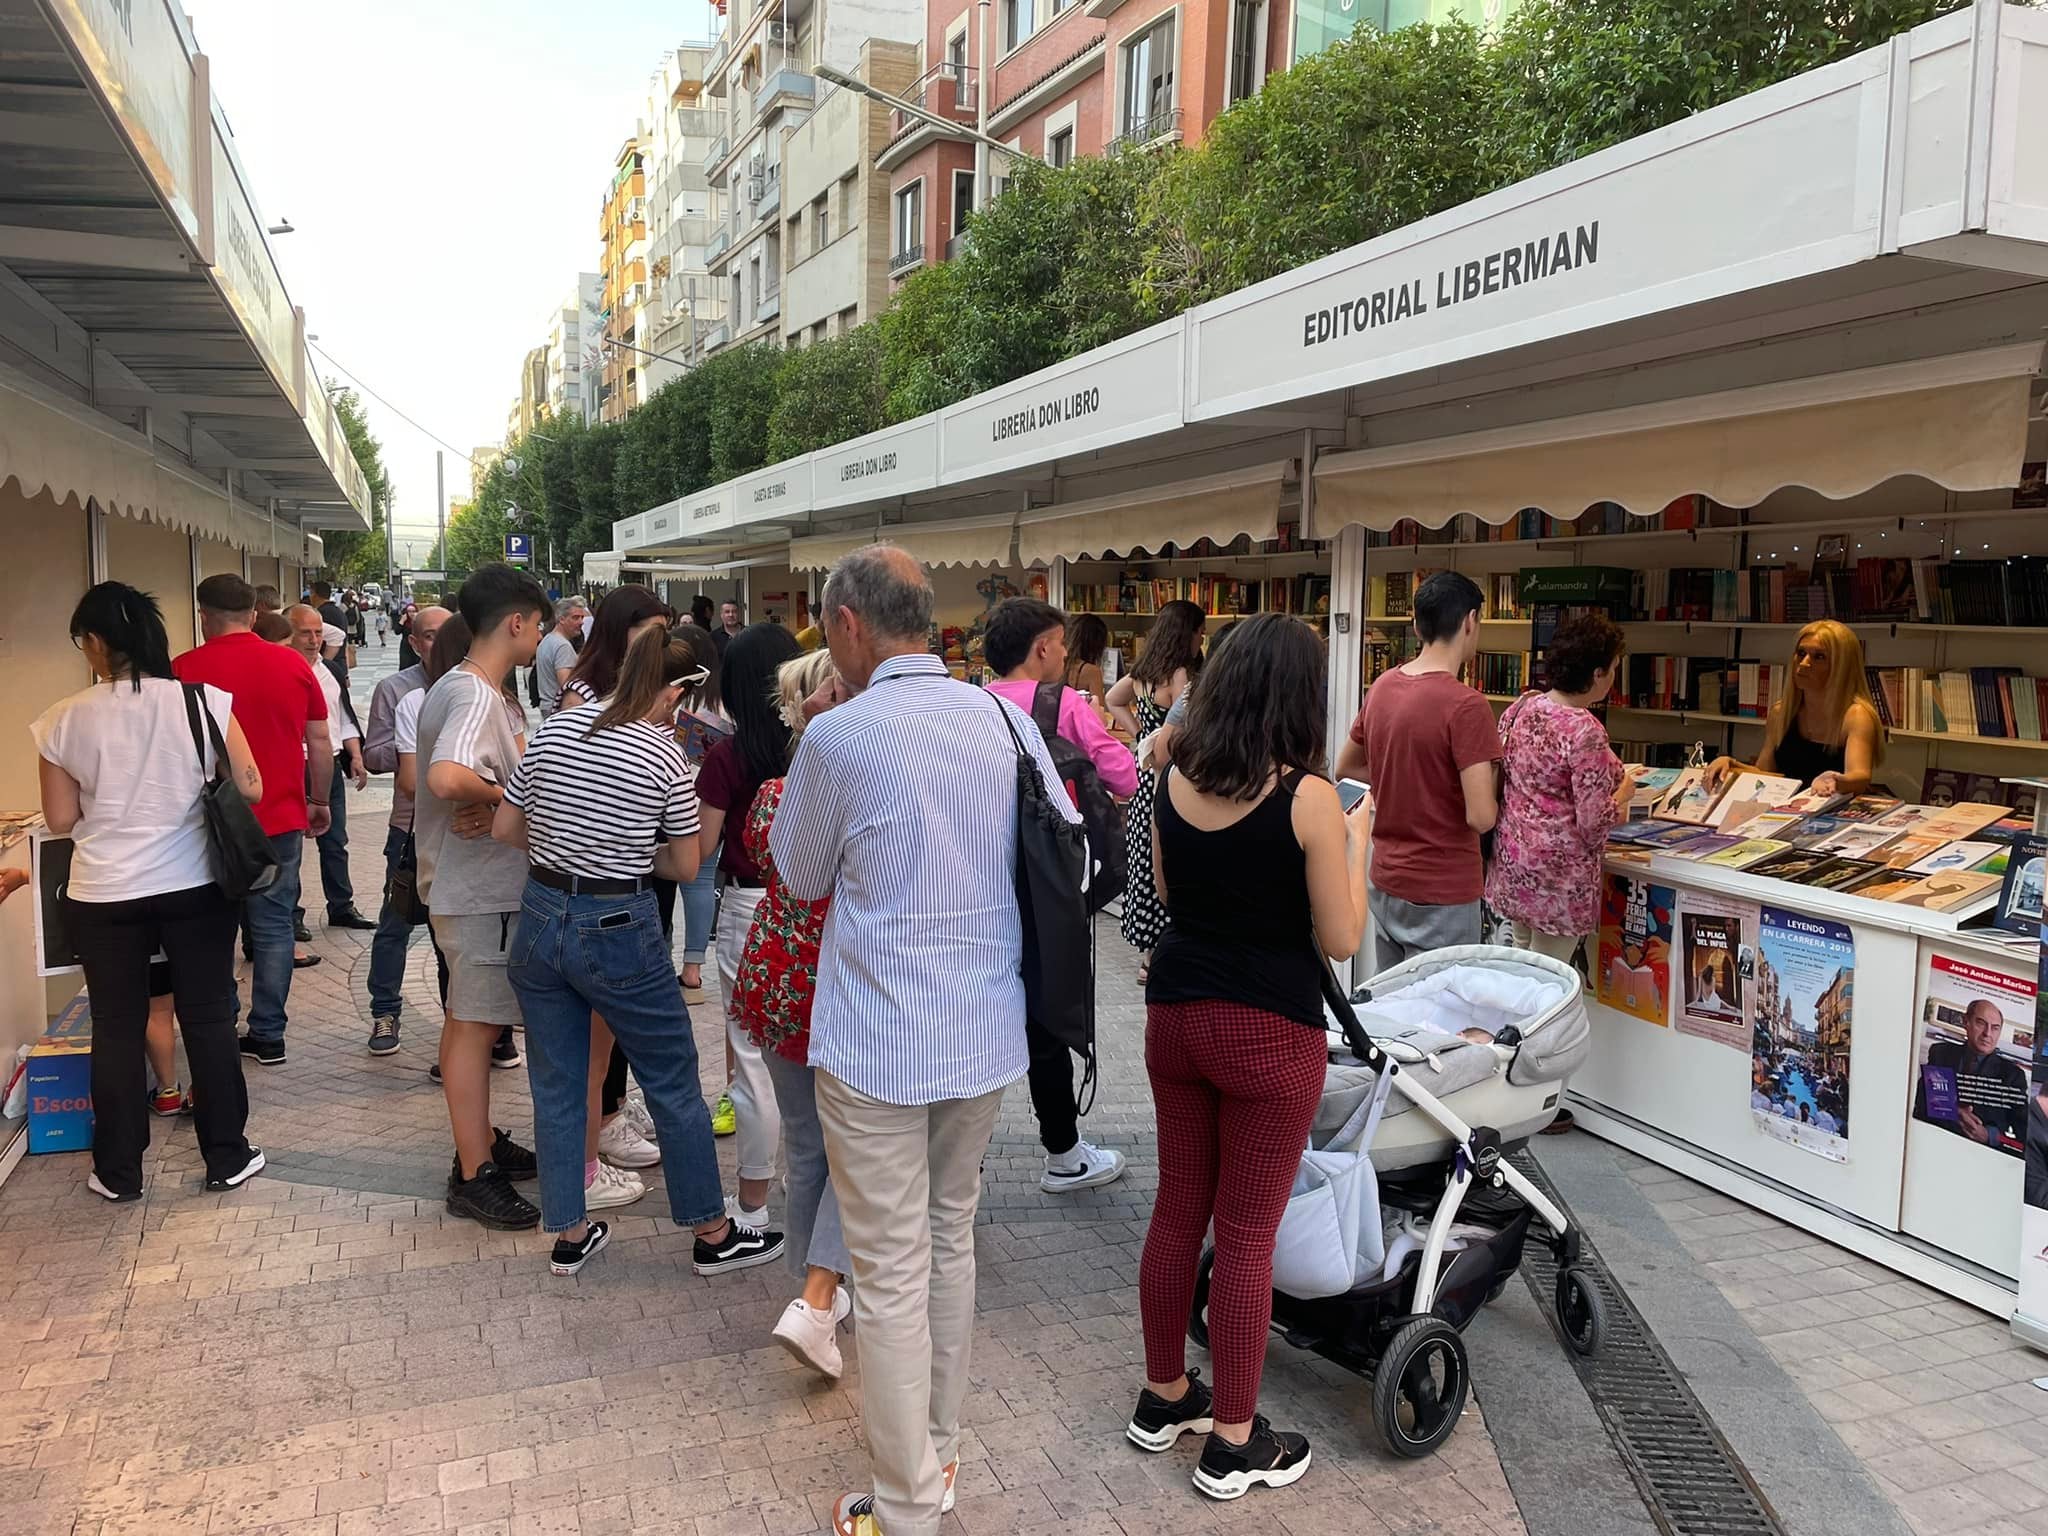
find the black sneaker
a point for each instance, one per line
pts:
(241, 1176)
(1156, 1424)
(517, 1162)
(504, 1054)
(266, 1053)
(1267, 1456)
(349, 917)
(489, 1200)
(434, 1072)
(384, 1035)
(740, 1248)
(569, 1257)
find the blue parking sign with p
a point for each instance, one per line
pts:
(518, 548)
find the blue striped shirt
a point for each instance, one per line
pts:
(902, 807)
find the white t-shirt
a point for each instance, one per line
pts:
(331, 635)
(405, 722)
(340, 727)
(139, 832)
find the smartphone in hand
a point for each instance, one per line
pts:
(1350, 792)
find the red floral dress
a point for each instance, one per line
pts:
(778, 972)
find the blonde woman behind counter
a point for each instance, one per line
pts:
(1824, 729)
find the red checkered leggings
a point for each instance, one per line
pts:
(1235, 1089)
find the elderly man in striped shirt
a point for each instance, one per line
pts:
(902, 807)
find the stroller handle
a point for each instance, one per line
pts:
(1362, 1044)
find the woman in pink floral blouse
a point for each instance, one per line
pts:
(1562, 788)
(778, 973)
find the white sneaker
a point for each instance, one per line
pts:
(623, 1147)
(813, 1336)
(757, 1219)
(634, 1113)
(612, 1186)
(1081, 1167)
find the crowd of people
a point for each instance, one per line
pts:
(836, 829)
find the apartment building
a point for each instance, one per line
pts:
(573, 331)
(762, 73)
(835, 203)
(532, 398)
(622, 231)
(1071, 77)
(683, 212)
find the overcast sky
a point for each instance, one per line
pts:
(442, 163)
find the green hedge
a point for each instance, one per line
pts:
(1373, 134)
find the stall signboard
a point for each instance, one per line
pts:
(1799, 1058)
(779, 491)
(1975, 1049)
(1717, 968)
(706, 512)
(626, 532)
(658, 525)
(1782, 184)
(1116, 394)
(245, 273)
(893, 462)
(134, 53)
(1635, 948)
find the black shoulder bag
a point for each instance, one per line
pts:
(1052, 869)
(242, 858)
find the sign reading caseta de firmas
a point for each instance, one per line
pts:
(1514, 266)
(1075, 406)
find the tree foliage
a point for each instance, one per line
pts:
(354, 558)
(827, 393)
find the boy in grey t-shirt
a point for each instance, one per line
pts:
(469, 743)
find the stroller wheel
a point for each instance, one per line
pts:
(1198, 1319)
(1418, 1389)
(1581, 1313)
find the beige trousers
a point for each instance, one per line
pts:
(1556, 945)
(909, 1179)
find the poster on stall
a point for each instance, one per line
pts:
(1799, 1056)
(1976, 1044)
(2031, 1320)
(1717, 968)
(1635, 948)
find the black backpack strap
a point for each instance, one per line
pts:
(193, 715)
(1045, 710)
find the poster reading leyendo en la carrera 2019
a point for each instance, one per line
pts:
(1799, 1055)
(1635, 948)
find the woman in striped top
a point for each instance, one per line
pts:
(602, 801)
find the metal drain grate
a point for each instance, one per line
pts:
(1692, 1482)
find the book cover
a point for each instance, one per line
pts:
(1812, 831)
(1841, 874)
(1751, 850)
(1792, 864)
(1884, 884)
(2019, 896)
(1946, 892)
(1909, 848)
(1689, 799)
(1970, 853)
(1671, 835)
(1858, 841)
(1866, 808)
(1943, 786)
(1749, 795)
(1702, 847)
(1635, 948)
(1938, 1093)
(1630, 832)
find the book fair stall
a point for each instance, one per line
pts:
(1780, 361)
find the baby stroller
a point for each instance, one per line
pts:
(1407, 1217)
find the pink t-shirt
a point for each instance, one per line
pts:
(1083, 727)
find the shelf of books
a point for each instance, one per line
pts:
(1947, 593)
(1281, 575)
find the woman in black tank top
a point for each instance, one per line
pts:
(1257, 867)
(1824, 728)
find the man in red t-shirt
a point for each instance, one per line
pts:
(281, 711)
(1429, 747)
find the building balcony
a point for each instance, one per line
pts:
(716, 336)
(1159, 128)
(767, 194)
(906, 261)
(770, 307)
(720, 147)
(785, 88)
(718, 245)
(947, 91)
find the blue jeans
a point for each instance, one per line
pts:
(267, 915)
(578, 955)
(700, 904)
(334, 879)
(387, 948)
(813, 1217)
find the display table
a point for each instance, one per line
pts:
(1905, 1192)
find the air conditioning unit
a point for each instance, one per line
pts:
(757, 167)
(778, 30)
(757, 188)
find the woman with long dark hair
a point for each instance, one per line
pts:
(602, 800)
(1234, 1029)
(1169, 663)
(734, 771)
(699, 725)
(1087, 639)
(624, 614)
(121, 776)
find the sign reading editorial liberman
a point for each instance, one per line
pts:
(1514, 266)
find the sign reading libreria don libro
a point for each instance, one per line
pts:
(1757, 192)
(1116, 394)
(892, 462)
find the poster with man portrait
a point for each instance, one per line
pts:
(1975, 1048)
